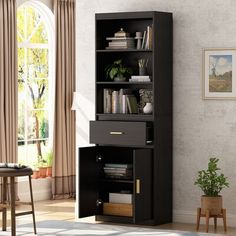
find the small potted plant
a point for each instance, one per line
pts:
(49, 158)
(42, 165)
(36, 173)
(211, 183)
(117, 71)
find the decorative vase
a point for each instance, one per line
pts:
(147, 108)
(213, 204)
(142, 70)
(139, 39)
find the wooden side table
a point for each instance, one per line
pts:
(208, 216)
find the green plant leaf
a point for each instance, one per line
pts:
(113, 72)
(210, 181)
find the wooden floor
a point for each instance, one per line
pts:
(65, 210)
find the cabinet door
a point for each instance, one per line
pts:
(142, 185)
(88, 181)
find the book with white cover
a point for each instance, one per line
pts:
(120, 198)
(139, 80)
(140, 76)
(120, 38)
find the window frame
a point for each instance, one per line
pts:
(48, 20)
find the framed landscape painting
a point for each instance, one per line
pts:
(219, 75)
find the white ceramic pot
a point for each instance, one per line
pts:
(147, 108)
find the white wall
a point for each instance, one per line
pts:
(201, 128)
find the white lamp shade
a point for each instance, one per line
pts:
(75, 102)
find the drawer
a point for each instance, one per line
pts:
(117, 209)
(119, 133)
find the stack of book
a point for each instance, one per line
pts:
(122, 101)
(120, 43)
(140, 78)
(118, 171)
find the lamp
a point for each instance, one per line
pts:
(75, 102)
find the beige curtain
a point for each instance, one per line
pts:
(8, 81)
(63, 185)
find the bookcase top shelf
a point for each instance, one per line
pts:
(128, 15)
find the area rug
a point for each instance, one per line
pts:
(67, 228)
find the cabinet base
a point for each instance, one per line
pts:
(122, 219)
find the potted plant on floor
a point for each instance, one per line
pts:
(117, 71)
(211, 182)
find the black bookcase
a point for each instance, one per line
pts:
(151, 181)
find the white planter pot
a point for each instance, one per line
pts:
(147, 108)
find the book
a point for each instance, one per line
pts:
(120, 38)
(116, 171)
(144, 39)
(140, 78)
(149, 38)
(121, 93)
(132, 104)
(107, 100)
(119, 165)
(115, 102)
(120, 47)
(118, 43)
(124, 104)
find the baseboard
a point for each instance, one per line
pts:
(41, 189)
(190, 217)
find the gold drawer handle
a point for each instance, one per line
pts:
(138, 183)
(116, 133)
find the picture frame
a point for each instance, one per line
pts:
(219, 73)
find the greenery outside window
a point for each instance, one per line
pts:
(35, 83)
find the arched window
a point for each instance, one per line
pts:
(35, 82)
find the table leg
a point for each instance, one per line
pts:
(224, 219)
(207, 220)
(13, 216)
(198, 218)
(4, 199)
(32, 204)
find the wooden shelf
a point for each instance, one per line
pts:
(121, 50)
(136, 117)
